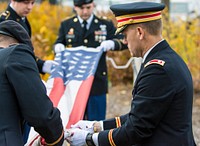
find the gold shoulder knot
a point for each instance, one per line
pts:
(155, 61)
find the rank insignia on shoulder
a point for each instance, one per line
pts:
(5, 14)
(155, 61)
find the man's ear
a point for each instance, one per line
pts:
(140, 32)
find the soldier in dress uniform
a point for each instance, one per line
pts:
(23, 95)
(86, 29)
(161, 108)
(18, 10)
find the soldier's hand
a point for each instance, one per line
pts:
(47, 66)
(59, 48)
(107, 45)
(91, 126)
(78, 137)
(84, 125)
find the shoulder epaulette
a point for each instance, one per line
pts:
(155, 61)
(5, 15)
(67, 18)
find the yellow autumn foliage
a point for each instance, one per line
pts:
(183, 36)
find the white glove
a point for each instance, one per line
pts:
(107, 45)
(84, 125)
(78, 137)
(59, 48)
(48, 64)
(67, 134)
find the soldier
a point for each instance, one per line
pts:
(18, 10)
(161, 108)
(23, 95)
(86, 29)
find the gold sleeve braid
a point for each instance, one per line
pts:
(118, 122)
(58, 140)
(119, 43)
(110, 138)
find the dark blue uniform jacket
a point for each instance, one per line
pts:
(161, 109)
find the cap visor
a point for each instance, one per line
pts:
(120, 29)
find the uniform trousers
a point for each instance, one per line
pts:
(96, 108)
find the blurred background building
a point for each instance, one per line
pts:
(178, 8)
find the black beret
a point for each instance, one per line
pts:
(14, 29)
(136, 12)
(79, 3)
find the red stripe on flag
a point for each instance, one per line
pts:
(80, 102)
(38, 136)
(57, 91)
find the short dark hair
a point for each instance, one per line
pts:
(8, 39)
(152, 27)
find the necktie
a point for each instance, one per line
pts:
(84, 27)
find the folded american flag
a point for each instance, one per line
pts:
(69, 84)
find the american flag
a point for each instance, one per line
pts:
(70, 82)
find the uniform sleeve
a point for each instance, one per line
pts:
(119, 45)
(61, 34)
(155, 91)
(40, 64)
(114, 122)
(116, 38)
(34, 104)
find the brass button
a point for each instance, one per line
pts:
(75, 19)
(85, 41)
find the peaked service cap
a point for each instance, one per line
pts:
(136, 12)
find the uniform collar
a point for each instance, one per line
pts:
(11, 6)
(89, 20)
(13, 12)
(146, 54)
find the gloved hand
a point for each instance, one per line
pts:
(84, 125)
(67, 133)
(59, 48)
(48, 64)
(78, 137)
(107, 45)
